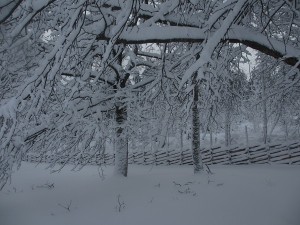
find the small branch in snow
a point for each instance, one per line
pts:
(185, 184)
(209, 180)
(157, 185)
(14, 191)
(68, 208)
(151, 200)
(208, 169)
(101, 172)
(176, 184)
(188, 183)
(120, 204)
(46, 185)
(187, 191)
(209, 173)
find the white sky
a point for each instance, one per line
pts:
(247, 67)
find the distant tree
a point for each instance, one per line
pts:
(275, 90)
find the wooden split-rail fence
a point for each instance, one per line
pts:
(280, 153)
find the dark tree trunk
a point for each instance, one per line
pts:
(197, 160)
(121, 154)
(227, 126)
(265, 117)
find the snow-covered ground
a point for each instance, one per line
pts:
(233, 195)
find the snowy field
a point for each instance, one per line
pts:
(170, 195)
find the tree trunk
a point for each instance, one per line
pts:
(247, 137)
(286, 129)
(181, 139)
(121, 153)
(197, 160)
(227, 127)
(265, 118)
(210, 137)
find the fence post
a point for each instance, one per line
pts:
(247, 145)
(181, 139)
(289, 154)
(167, 158)
(168, 140)
(247, 138)
(268, 153)
(181, 157)
(133, 158)
(229, 156)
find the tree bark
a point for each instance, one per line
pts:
(181, 139)
(197, 159)
(265, 118)
(227, 126)
(286, 129)
(121, 153)
(247, 137)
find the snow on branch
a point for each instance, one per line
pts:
(236, 34)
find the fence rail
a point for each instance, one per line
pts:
(279, 153)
